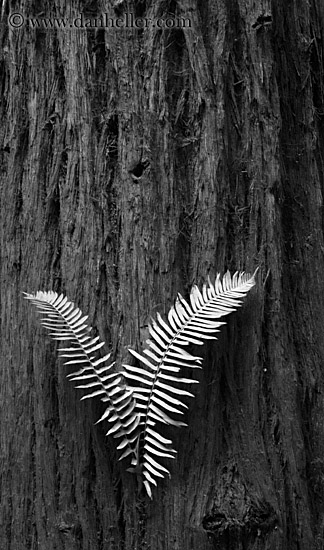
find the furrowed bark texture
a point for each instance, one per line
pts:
(135, 163)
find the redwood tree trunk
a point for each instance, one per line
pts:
(135, 163)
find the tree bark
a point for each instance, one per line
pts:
(135, 163)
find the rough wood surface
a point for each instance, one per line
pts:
(133, 164)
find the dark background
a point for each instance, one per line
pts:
(133, 164)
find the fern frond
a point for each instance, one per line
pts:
(156, 389)
(164, 359)
(65, 322)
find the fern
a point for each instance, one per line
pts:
(165, 356)
(67, 323)
(155, 389)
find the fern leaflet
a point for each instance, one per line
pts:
(165, 356)
(67, 323)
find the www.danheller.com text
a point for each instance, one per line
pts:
(124, 21)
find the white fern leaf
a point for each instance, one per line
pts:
(65, 322)
(188, 323)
